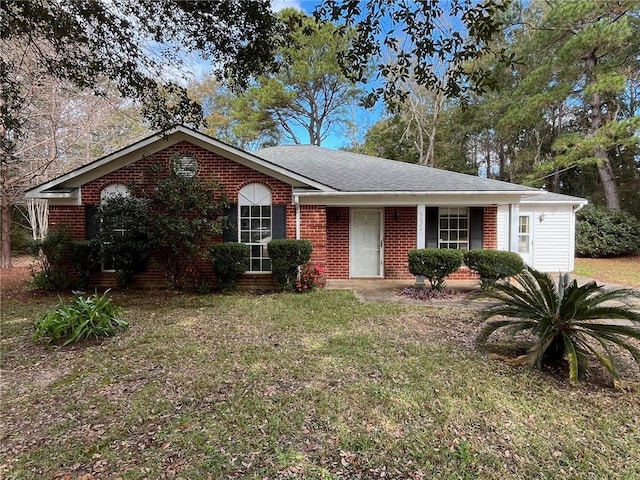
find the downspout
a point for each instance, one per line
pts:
(296, 201)
(572, 245)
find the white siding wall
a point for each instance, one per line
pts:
(553, 228)
(503, 227)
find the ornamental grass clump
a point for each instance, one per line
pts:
(570, 323)
(91, 317)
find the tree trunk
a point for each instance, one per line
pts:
(5, 213)
(605, 169)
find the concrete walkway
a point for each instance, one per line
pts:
(379, 290)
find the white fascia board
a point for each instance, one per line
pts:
(580, 201)
(100, 166)
(406, 198)
(158, 142)
(68, 193)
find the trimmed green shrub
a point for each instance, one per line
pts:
(230, 261)
(434, 264)
(602, 232)
(91, 317)
(85, 255)
(124, 237)
(493, 265)
(54, 252)
(286, 256)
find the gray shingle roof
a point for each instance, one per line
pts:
(554, 197)
(353, 172)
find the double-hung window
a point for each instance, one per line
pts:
(454, 228)
(111, 191)
(255, 222)
(524, 234)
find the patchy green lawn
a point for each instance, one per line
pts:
(297, 386)
(624, 270)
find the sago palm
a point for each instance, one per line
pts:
(568, 321)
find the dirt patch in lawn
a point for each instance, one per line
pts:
(15, 281)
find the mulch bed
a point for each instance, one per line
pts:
(428, 295)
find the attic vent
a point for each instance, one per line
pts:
(185, 166)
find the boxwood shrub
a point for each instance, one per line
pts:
(434, 264)
(286, 256)
(493, 265)
(602, 232)
(230, 262)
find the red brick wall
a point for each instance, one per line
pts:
(211, 166)
(400, 237)
(313, 226)
(400, 224)
(326, 227)
(337, 242)
(70, 217)
(145, 172)
(490, 228)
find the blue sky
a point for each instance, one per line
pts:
(306, 5)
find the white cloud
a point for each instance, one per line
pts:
(277, 5)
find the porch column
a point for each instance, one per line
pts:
(421, 231)
(514, 218)
(421, 211)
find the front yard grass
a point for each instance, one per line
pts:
(297, 386)
(623, 270)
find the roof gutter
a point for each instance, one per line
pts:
(296, 201)
(300, 193)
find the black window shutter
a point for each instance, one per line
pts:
(431, 226)
(230, 233)
(91, 222)
(476, 224)
(279, 221)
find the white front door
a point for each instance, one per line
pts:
(525, 238)
(366, 243)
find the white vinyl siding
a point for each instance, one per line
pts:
(552, 229)
(503, 227)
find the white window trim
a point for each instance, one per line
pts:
(112, 190)
(468, 217)
(251, 195)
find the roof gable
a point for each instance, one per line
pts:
(61, 186)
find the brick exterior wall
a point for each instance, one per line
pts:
(70, 217)
(313, 226)
(326, 227)
(337, 242)
(490, 228)
(144, 173)
(400, 235)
